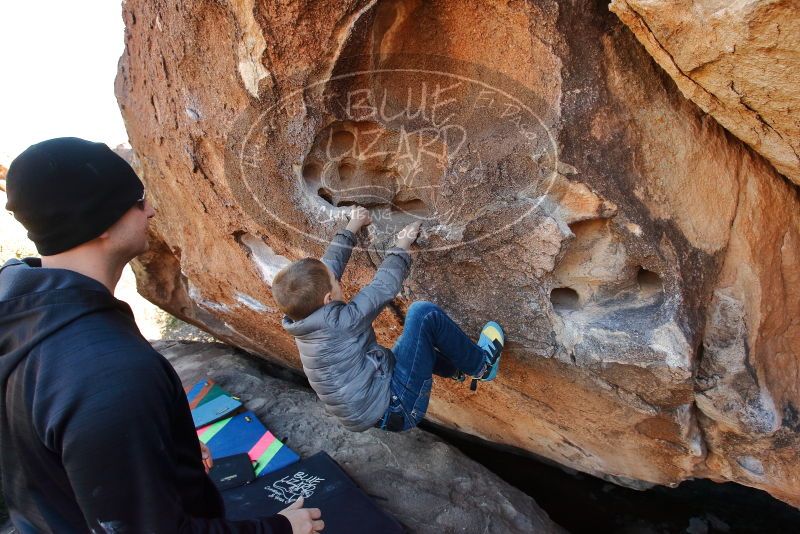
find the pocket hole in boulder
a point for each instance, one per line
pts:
(564, 299)
(649, 282)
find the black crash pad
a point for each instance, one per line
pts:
(324, 484)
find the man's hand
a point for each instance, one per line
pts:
(207, 461)
(303, 520)
(407, 235)
(359, 218)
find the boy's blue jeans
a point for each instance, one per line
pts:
(431, 343)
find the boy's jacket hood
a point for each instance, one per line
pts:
(36, 302)
(316, 320)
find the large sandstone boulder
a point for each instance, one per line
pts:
(739, 61)
(642, 260)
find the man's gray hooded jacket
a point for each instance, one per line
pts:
(344, 363)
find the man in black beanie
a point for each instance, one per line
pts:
(96, 434)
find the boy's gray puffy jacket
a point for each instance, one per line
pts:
(345, 365)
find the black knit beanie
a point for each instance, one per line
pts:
(67, 191)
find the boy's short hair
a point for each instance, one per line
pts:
(299, 288)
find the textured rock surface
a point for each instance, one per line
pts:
(642, 260)
(739, 61)
(426, 484)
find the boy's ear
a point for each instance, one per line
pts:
(327, 298)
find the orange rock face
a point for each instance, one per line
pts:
(641, 259)
(738, 61)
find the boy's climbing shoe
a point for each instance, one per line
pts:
(460, 376)
(492, 340)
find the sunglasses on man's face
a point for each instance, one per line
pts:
(140, 202)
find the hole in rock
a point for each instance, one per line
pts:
(325, 194)
(564, 298)
(589, 229)
(352, 203)
(346, 171)
(312, 172)
(414, 206)
(649, 282)
(340, 143)
(362, 199)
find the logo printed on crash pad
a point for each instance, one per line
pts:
(290, 488)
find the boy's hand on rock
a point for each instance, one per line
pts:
(359, 218)
(303, 520)
(407, 235)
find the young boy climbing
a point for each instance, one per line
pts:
(361, 382)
